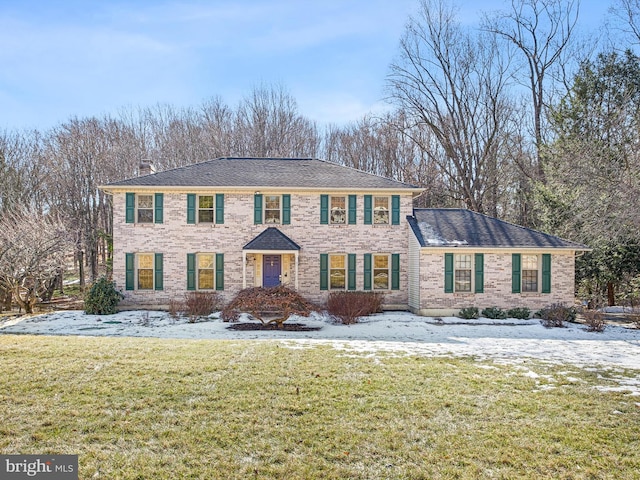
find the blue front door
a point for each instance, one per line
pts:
(271, 270)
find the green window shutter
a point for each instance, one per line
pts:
(191, 271)
(367, 271)
(324, 271)
(515, 273)
(479, 273)
(286, 209)
(395, 209)
(130, 216)
(395, 271)
(546, 273)
(219, 208)
(130, 271)
(368, 210)
(159, 206)
(191, 208)
(257, 209)
(219, 271)
(448, 273)
(324, 209)
(158, 275)
(352, 209)
(351, 266)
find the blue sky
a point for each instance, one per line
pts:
(81, 58)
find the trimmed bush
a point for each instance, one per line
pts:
(176, 308)
(494, 313)
(102, 298)
(469, 313)
(594, 320)
(201, 304)
(349, 306)
(262, 302)
(556, 314)
(519, 312)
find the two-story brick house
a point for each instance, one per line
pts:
(232, 223)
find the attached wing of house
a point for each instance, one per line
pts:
(459, 258)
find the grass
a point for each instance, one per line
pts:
(163, 409)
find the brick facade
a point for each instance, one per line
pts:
(432, 299)
(175, 238)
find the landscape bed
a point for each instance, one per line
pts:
(135, 408)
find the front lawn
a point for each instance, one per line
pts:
(141, 408)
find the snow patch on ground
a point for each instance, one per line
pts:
(614, 354)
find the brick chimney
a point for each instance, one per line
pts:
(146, 167)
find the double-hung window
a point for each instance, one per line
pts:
(337, 272)
(380, 272)
(272, 209)
(144, 271)
(206, 208)
(381, 210)
(530, 273)
(463, 265)
(338, 210)
(205, 271)
(144, 207)
(464, 273)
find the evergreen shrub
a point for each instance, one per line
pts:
(102, 298)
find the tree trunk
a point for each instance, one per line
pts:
(81, 269)
(611, 294)
(28, 302)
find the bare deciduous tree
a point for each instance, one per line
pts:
(22, 170)
(268, 124)
(451, 81)
(32, 249)
(627, 12)
(541, 31)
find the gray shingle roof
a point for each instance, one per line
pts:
(264, 172)
(271, 239)
(442, 227)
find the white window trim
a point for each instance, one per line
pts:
(264, 210)
(346, 209)
(373, 210)
(213, 209)
(373, 271)
(213, 270)
(472, 270)
(152, 208)
(538, 275)
(137, 271)
(346, 270)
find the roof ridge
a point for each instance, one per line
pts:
(363, 171)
